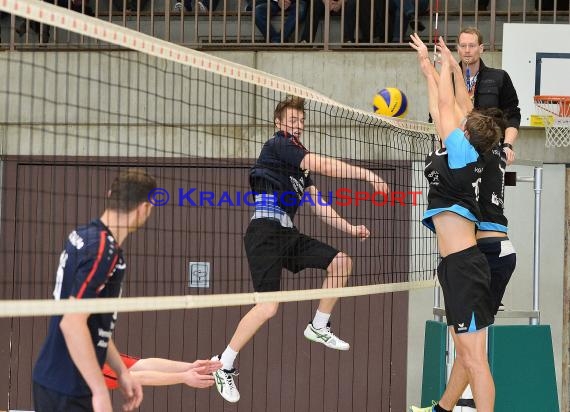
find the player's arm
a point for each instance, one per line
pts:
(510, 106)
(189, 377)
(78, 341)
(432, 81)
(511, 134)
(448, 119)
(429, 72)
(129, 386)
(159, 372)
(333, 219)
(463, 103)
(167, 365)
(337, 168)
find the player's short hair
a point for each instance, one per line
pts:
(290, 102)
(497, 115)
(130, 189)
(471, 30)
(484, 132)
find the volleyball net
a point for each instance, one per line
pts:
(72, 120)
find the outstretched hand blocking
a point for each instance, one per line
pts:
(445, 54)
(418, 45)
(423, 55)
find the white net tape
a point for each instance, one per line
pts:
(555, 114)
(37, 307)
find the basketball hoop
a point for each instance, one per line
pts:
(554, 112)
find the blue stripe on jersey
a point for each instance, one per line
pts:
(472, 325)
(460, 210)
(459, 151)
(494, 227)
(265, 199)
(266, 205)
(261, 206)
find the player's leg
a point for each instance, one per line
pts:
(247, 327)
(472, 353)
(319, 330)
(264, 246)
(338, 273)
(311, 253)
(465, 279)
(458, 381)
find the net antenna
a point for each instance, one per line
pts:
(435, 32)
(554, 112)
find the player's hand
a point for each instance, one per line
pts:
(206, 367)
(284, 4)
(101, 401)
(419, 46)
(199, 377)
(360, 231)
(379, 184)
(423, 55)
(510, 155)
(445, 53)
(132, 391)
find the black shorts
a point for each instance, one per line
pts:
(46, 400)
(502, 259)
(271, 247)
(465, 280)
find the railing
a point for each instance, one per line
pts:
(309, 24)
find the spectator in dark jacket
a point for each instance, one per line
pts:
(489, 87)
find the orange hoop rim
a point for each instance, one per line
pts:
(551, 99)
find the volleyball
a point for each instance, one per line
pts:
(391, 102)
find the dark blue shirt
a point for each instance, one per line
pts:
(277, 171)
(91, 266)
(454, 174)
(492, 191)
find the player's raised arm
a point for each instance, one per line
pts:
(463, 103)
(429, 72)
(329, 166)
(448, 118)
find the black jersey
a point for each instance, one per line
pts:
(90, 266)
(454, 175)
(492, 191)
(277, 171)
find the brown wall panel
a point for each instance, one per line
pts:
(280, 370)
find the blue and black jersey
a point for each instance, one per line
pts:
(454, 175)
(492, 191)
(277, 172)
(91, 266)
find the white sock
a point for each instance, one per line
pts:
(321, 320)
(228, 358)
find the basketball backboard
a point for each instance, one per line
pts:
(537, 57)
